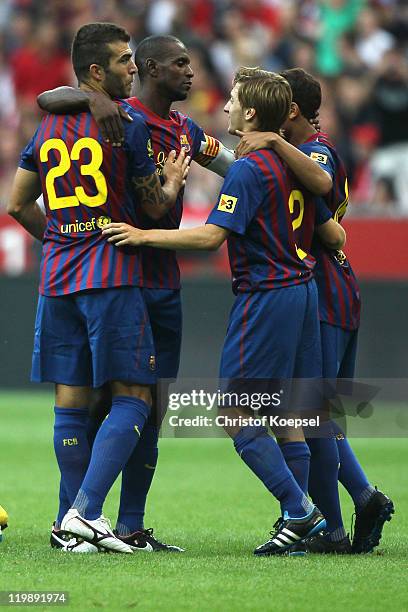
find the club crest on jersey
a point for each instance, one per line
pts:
(184, 142)
(227, 203)
(102, 221)
(319, 157)
(150, 151)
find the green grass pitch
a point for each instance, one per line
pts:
(202, 498)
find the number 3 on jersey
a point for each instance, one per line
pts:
(92, 169)
(296, 196)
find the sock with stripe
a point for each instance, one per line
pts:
(351, 474)
(323, 482)
(297, 457)
(72, 452)
(114, 443)
(137, 478)
(263, 456)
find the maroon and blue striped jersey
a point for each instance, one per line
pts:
(339, 294)
(160, 267)
(86, 183)
(260, 204)
(307, 211)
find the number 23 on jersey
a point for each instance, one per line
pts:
(91, 169)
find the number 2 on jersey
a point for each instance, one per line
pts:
(296, 196)
(92, 169)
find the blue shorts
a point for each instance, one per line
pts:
(165, 314)
(92, 337)
(339, 350)
(274, 334)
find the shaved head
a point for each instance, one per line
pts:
(153, 47)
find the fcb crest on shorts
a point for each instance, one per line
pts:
(184, 143)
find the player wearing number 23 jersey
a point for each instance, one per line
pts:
(86, 184)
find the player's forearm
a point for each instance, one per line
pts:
(156, 199)
(309, 173)
(157, 208)
(206, 238)
(22, 204)
(197, 239)
(170, 191)
(31, 217)
(64, 100)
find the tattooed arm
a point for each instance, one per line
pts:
(156, 199)
(152, 195)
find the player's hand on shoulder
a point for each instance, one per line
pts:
(122, 234)
(253, 141)
(108, 115)
(176, 168)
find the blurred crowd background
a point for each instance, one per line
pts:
(358, 49)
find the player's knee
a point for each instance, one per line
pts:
(292, 435)
(67, 396)
(141, 392)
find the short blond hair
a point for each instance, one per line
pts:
(245, 72)
(268, 93)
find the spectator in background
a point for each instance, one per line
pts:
(9, 151)
(371, 40)
(363, 140)
(8, 108)
(352, 106)
(390, 97)
(40, 63)
(390, 91)
(18, 34)
(5, 12)
(335, 19)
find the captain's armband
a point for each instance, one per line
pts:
(214, 156)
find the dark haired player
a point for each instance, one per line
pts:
(273, 330)
(339, 309)
(92, 326)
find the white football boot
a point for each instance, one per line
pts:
(97, 532)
